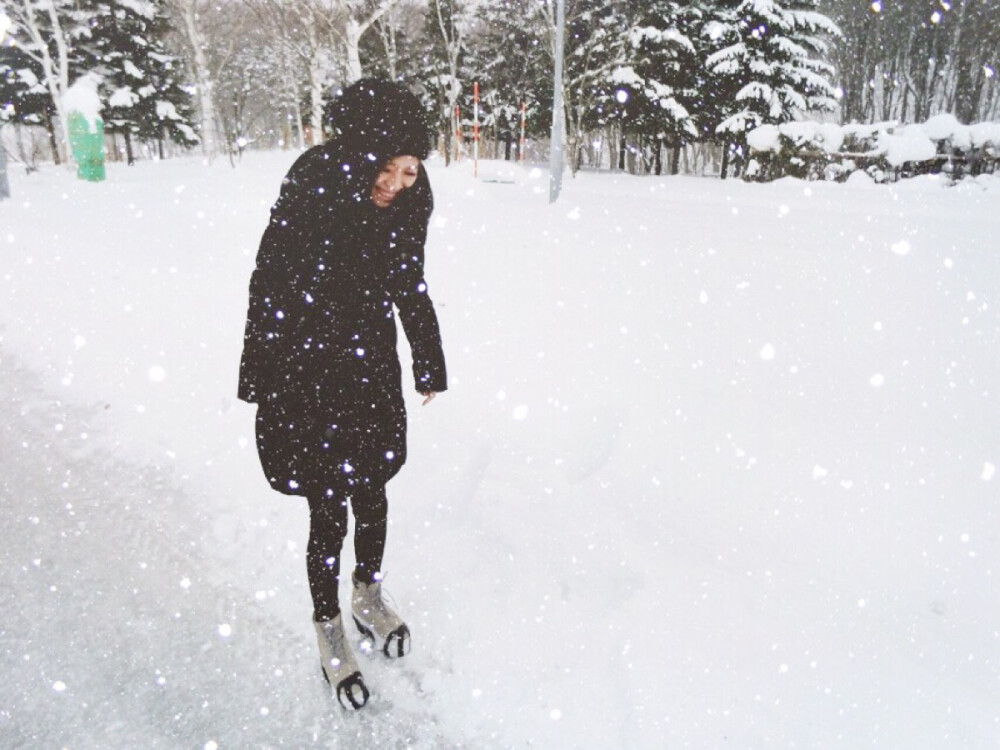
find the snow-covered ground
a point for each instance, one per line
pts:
(717, 468)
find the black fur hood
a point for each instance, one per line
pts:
(378, 117)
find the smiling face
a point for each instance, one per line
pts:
(396, 175)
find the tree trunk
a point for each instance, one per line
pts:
(352, 49)
(291, 92)
(50, 128)
(130, 155)
(204, 85)
(387, 33)
(353, 31)
(315, 88)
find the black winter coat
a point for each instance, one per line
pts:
(319, 353)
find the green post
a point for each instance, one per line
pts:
(86, 138)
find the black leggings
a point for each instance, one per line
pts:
(327, 530)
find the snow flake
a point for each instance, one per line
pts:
(901, 248)
(988, 471)
(767, 352)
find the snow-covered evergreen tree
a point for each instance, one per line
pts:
(141, 81)
(768, 67)
(655, 83)
(24, 97)
(118, 41)
(507, 55)
(47, 33)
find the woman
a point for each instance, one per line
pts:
(345, 245)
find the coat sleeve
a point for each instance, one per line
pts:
(272, 283)
(409, 289)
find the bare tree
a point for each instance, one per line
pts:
(403, 18)
(323, 37)
(359, 18)
(43, 23)
(908, 61)
(449, 20)
(197, 23)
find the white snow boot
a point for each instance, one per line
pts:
(377, 621)
(339, 667)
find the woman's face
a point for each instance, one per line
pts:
(396, 176)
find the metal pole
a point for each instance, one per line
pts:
(4, 185)
(5, 23)
(475, 129)
(558, 116)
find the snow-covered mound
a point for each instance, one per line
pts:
(942, 137)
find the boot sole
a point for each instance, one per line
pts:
(396, 644)
(353, 679)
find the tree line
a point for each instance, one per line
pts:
(649, 85)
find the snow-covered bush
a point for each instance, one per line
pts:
(885, 151)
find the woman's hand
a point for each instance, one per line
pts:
(428, 397)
